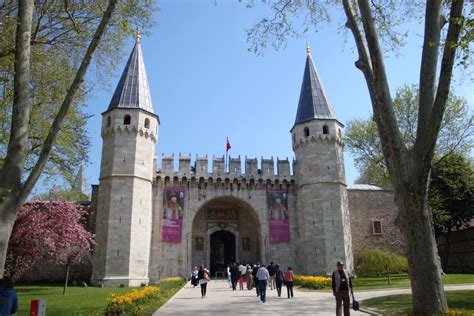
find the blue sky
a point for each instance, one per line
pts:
(206, 85)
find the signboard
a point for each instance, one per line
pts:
(173, 210)
(222, 215)
(277, 201)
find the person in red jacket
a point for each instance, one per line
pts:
(289, 281)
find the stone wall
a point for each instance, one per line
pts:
(366, 206)
(248, 195)
(461, 251)
(49, 272)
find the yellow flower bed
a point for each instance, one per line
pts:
(172, 279)
(312, 282)
(130, 302)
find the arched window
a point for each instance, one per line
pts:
(126, 119)
(325, 129)
(147, 123)
(109, 121)
(306, 132)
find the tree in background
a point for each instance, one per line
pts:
(451, 197)
(363, 142)
(46, 48)
(52, 231)
(375, 28)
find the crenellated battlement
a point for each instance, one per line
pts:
(142, 131)
(199, 167)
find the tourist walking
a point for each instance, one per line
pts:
(341, 284)
(255, 279)
(242, 270)
(234, 275)
(8, 297)
(289, 281)
(263, 277)
(194, 277)
(228, 275)
(203, 278)
(271, 271)
(249, 277)
(278, 279)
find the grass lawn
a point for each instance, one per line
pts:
(80, 300)
(403, 281)
(458, 301)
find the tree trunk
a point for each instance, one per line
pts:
(416, 227)
(66, 278)
(7, 220)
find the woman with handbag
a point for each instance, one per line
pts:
(203, 278)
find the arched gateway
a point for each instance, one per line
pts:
(225, 229)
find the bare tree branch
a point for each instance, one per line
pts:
(425, 147)
(429, 61)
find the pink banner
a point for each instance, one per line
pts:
(279, 231)
(173, 209)
(277, 201)
(171, 230)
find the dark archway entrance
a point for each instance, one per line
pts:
(222, 244)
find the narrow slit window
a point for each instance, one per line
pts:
(306, 132)
(147, 123)
(377, 227)
(127, 119)
(325, 129)
(109, 121)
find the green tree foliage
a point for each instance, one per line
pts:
(60, 36)
(363, 141)
(452, 193)
(374, 262)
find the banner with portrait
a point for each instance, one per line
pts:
(277, 201)
(173, 210)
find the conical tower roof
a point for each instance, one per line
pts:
(79, 183)
(132, 90)
(313, 103)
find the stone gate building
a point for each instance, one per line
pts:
(152, 223)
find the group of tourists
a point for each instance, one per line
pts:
(261, 277)
(272, 277)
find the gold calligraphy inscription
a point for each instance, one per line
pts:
(222, 215)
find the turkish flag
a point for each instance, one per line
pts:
(227, 145)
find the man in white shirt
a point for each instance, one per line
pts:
(263, 277)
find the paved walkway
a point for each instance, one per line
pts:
(223, 301)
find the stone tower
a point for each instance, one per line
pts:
(124, 212)
(322, 205)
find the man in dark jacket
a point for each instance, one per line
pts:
(341, 285)
(278, 279)
(271, 271)
(8, 297)
(234, 275)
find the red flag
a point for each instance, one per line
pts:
(227, 146)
